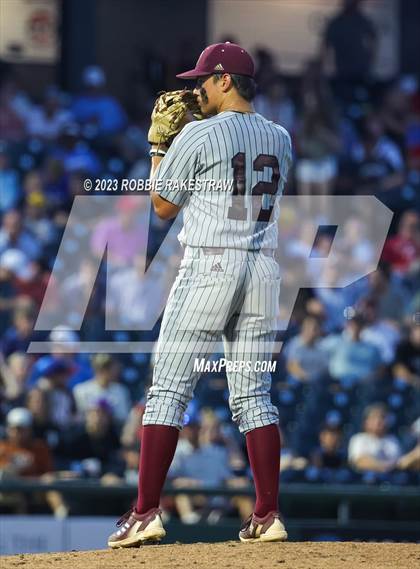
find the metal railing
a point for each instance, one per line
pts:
(312, 510)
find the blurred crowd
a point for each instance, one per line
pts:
(347, 381)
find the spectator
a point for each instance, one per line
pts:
(30, 279)
(125, 234)
(18, 337)
(384, 334)
(406, 366)
(37, 220)
(395, 111)
(74, 154)
(389, 294)
(13, 376)
(356, 247)
(96, 445)
(290, 461)
(47, 120)
(305, 360)
(7, 298)
(317, 144)
(65, 346)
(276, 105)
(350, 39)
(13, 235)
(57, 176)
(374, 449)
(43, 426)
(32, 183)
(54, 382)
(10, 192)
(351, 358)
(377, 162)
(104, 387)
(208, 466)
(18, 268)
(22, 455)
(402, 250)
(333, 295)
(330, 453)
(95, 108)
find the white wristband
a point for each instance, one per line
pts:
(157, 153)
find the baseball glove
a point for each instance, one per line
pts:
(172, 110)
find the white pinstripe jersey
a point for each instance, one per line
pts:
(247, 151)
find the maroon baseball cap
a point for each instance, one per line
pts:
(221, 58)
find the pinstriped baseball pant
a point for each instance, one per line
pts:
(231, 296)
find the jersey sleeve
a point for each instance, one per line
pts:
(286, 157)
(181, 164)
(289, 155)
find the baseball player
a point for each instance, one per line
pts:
(228, 283)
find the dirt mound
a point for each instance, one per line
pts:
(233, 555)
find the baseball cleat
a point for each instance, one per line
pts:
(138, 529)
(268, 528)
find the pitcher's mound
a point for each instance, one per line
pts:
(232, 555)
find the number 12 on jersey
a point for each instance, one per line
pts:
(238, 210)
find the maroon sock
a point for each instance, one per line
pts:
(158, 444)
(263, 445)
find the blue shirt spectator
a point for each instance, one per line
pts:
(208, 464)
(81, 369)
(351, 358)
(18, 337)
(95, 107)
(304, 357)
(14, 236)
(75, 154)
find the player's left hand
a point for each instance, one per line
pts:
(171, 112)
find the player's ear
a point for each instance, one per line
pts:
(226, 82)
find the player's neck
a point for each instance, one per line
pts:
(236, 105)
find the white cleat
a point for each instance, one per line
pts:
(138, 529)
(269, 528)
